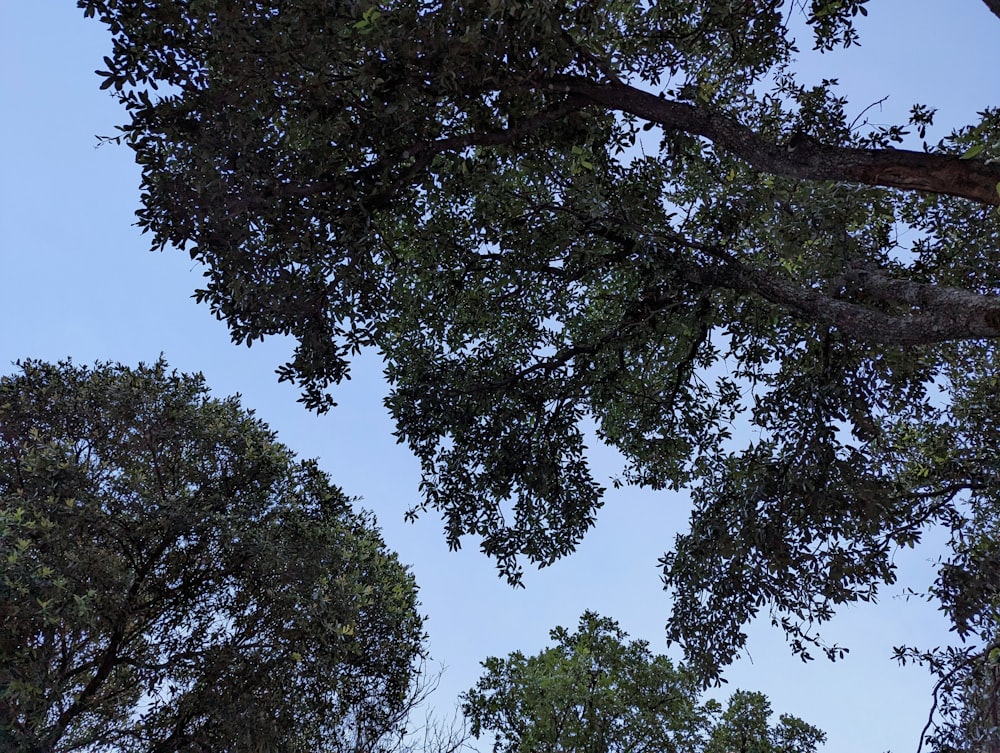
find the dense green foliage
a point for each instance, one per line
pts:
(553, 215)
(593, 692)
(172, 579)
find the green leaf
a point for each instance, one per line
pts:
(973, 151)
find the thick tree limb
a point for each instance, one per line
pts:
(940, 313)
(808, 160)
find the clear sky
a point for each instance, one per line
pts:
(77, 280)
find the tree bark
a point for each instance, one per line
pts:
(939, 313)
(949, 175)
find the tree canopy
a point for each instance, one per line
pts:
(553, 215)
(173, 579)
(596, 692)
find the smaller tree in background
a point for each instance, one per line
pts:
(593, 692)
(173, 579)
(744, 728)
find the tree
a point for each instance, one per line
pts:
(593, 692)
(743, 728)
(558, 214)
(173, 579)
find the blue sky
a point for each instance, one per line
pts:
(77, 280)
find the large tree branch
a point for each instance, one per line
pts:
(938, 313)
(807, 159)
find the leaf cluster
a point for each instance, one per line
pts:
(631, 218)
(173, 579)
(595, 692)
